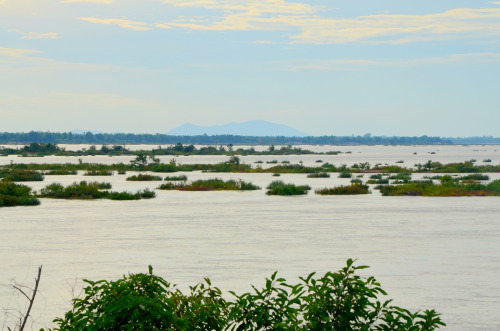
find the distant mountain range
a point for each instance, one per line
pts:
(249, 128)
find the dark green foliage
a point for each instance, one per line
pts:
(144, 194)
(217, 184)
(122, 172)
(278, 187)
(445, 188)
(339, 300)
(176, 178)
(82, 190)
(168, 186)
(21, 175)
(319, 175)
(12, 194)
(376, 176)
(352, 189)
(276, 175)
(487, 160)
(60, 172)
(475, 177)
(345, 174)
(143, 177)
(98, 173)
(378, 181)
(91, 190)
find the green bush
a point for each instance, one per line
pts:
(319, 175)
(217, 184)
(12, 194)
(176, 178)
(98, 173)
(352, 189)
(278, 187)
(60, 172)
(345, 174)
(21, 175)
(143, 177)
(339, 300)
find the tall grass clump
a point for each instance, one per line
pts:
(352, 189)
(278, 187)
(176, 178)
(143, 177)
(319, 175)
(82, 190)
(21, 175)
(98, 173)
(345, 174)
(217, 184)
(60, 172)
(451, 188)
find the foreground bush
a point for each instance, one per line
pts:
(338, 300)
(60, 172)
(278, 187)
(319, 175)
(12, 194)
(355, 188)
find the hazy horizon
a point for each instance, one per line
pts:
(343, 68)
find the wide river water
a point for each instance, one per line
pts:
(440, 253)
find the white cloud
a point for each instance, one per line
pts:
(16, 52)
(37, 35)
(316, 29)
(123, 23)
(358, 64)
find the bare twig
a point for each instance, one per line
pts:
(23, 319)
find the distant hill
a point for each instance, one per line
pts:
(249, 128)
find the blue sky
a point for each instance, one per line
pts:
(386, 67)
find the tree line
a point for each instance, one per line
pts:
(158, 138)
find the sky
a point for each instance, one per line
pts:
(336, 67)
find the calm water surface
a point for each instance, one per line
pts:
(441, 253)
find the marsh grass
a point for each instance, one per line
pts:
(278, 187)
(319, 175)
(12, 194)
(98, 173)
(352, 189)
(143, 177)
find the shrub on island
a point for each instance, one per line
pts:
(21, 175)
(143, 177)
(12, 194)
(319, 175)
(176, 178)
(60, 172)
(98, 173)
(446, 188)
(355, 188)
(278, 187)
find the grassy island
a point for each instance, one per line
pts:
(215, 184)
(278, 187)
(91, 190)
(443, 189)
(12, 194)
(143, 177)
(353, 189)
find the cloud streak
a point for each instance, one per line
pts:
(106, 2)
(16, 52)
(123, 23)
(315, 29)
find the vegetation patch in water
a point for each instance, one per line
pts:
(319, 175)
(352, 189)
(278, 187)
(444, 189)
(176, 178)
(12, 194)
(98, 173)
(214, 184)
(21, 175)
(60, 172)
(143, 177)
